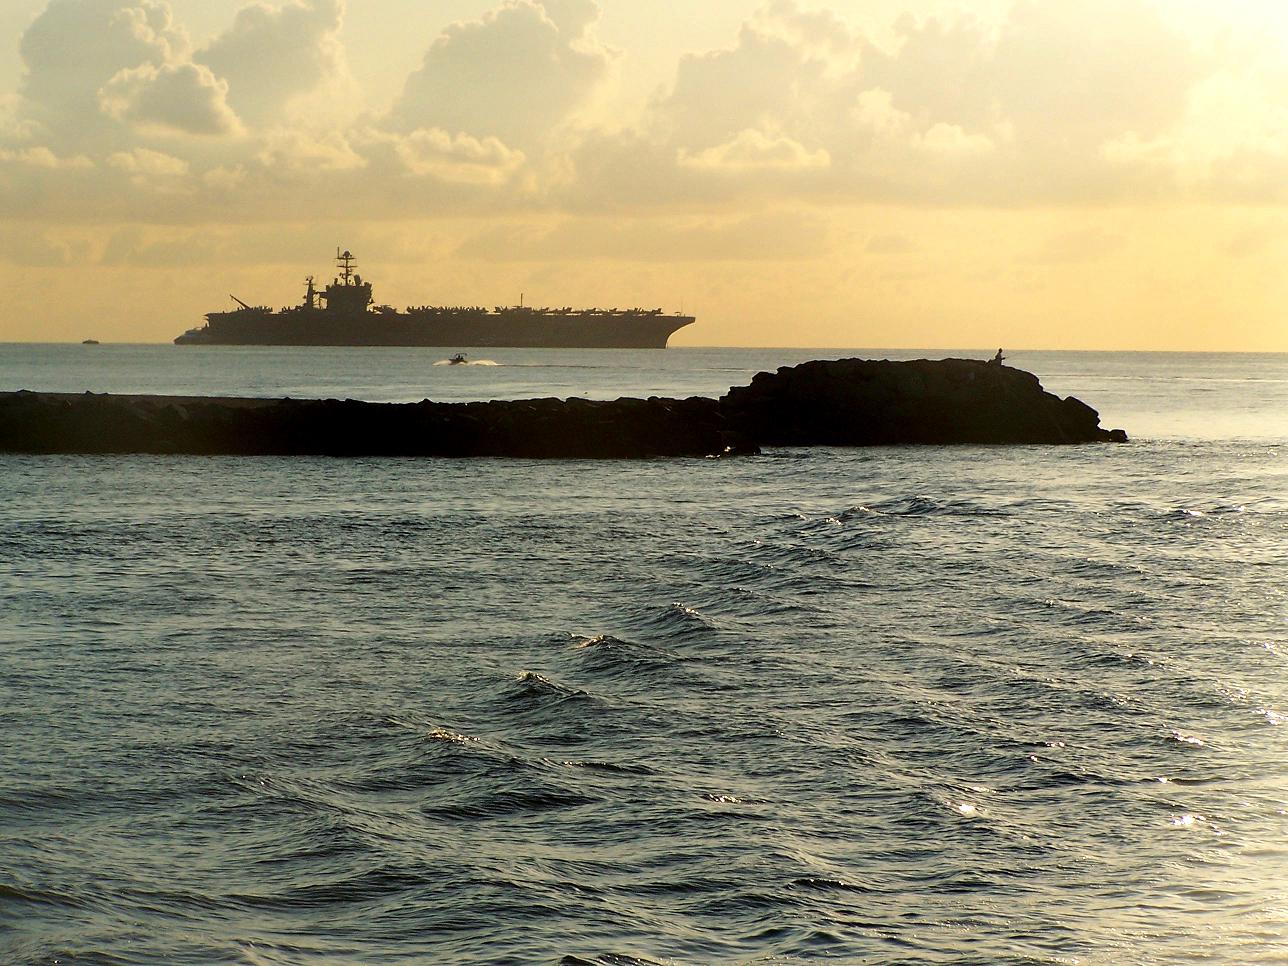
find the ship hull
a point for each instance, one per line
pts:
(445, 329)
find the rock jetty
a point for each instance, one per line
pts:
(849, 402)
(573, 428)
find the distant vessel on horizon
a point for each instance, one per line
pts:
(343, 314)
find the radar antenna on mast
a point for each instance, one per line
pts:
(345, 262)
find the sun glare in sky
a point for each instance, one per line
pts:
(1039, 173)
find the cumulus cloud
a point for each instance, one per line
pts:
(957, 110)
(753, 150)
(42, 157)
(1052, 102)
(515, 75)
(459, 158)
(272, 54)
(769, 78)
(75, 47)
(147, 163)
(293, 151)
(183, 98)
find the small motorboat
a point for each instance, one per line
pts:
(458, 360)
(90, 342)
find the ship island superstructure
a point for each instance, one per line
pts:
(344, 314)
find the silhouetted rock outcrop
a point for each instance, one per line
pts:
(856, 402)
(850, 402)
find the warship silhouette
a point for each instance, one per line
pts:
(343, 313)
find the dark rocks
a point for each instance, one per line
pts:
(61, 423)
(856, 402)
(850, 402)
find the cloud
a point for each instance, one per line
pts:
(42, 157)
(1073, 75)
(148, 164)
(770, 79)
(298, 152)
(34, 181)
(956, 111)
(770, 236)
(458, 159)
(1099, 102)
(156, 177)
(1232, 143)
(272, 54)
(19, 245)
(183, 98)
(224, 179)
(131, 246)
(940, 70)
(516, 74)
(753, 150)
(75, 47)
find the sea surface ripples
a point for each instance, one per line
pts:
(933, 705)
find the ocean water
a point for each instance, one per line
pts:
(919, 705)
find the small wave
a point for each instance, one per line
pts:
(497, 803)
(530, 691)
(826, 884)
(452, 737)
(686, 613)
(1195, 514)
(607, 642)
(675, 621)
(371, 884)
(717, 798)
(769, 553)
(723, 799)
(607, 653)
(42, 800)
(535, 683)
(917, 506)
(40, 897)
(612, 767)
(1181, 738)
(1063, 778)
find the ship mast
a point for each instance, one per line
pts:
(344, 261)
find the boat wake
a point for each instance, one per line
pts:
(467, 362)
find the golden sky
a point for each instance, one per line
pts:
(855, 173)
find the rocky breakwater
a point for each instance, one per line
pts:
(857, 402)
(575, 428)
(849, 402)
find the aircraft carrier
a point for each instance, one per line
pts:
(344, 313)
